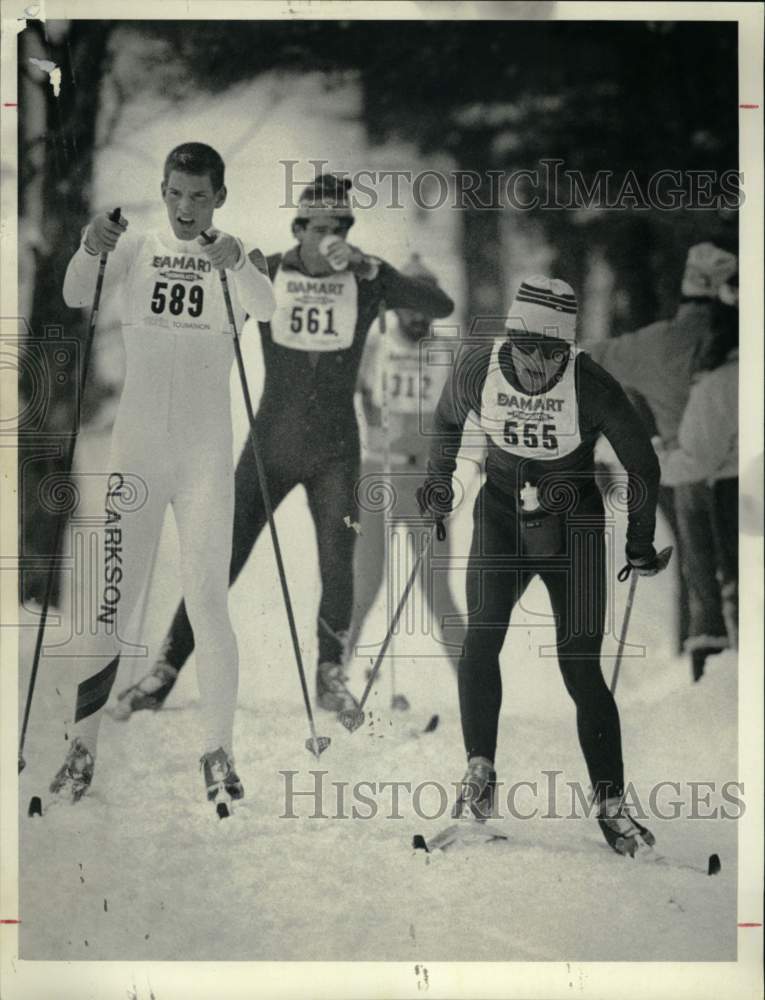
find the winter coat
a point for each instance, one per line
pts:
(708, 434)
(659, 362)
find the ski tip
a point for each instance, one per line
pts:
(432, 724)
(222, 810)
(318, 745)
(419, 843)
(35, 806)
(351, 718)
(714, 864)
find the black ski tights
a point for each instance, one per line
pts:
(576, 582)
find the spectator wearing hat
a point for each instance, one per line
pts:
(659, 362)
(707, 452)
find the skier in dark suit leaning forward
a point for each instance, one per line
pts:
(542, 404)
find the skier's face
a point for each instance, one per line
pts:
(190, 201)
(414, 325)
(535, 347)
(313, 232)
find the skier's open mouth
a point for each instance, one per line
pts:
(185, 224)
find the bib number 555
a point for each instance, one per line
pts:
(528, 434)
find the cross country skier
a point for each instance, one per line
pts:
(328, 293)
(395, 384)
(171, 443)
(542, 404)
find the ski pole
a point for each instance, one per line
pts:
(662, 560)
(352, 718)
(114, 216)
(396, 700)
(315, 744)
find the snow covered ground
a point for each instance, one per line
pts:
(143, 870)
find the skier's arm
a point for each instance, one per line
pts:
(253, 286)
(400, 292)
(461, 394)
(254, 291)
(101, 235)
(618, 420)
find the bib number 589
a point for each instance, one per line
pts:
(174, 300)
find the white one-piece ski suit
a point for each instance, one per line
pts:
(171, 444)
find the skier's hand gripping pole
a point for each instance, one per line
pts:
(114, 216)
(657, 564)
(353, 718)
(315, 744)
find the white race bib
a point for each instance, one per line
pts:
(540, 426)
(174, 290)
(314, 314)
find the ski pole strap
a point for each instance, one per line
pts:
(624, 572)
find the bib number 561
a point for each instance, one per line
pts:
(309, 319)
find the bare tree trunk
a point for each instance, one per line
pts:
(55, 161)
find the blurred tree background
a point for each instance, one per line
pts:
(496, 95)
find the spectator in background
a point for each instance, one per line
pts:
(659, 362)
(707, 452)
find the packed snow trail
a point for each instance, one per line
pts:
(141, 869)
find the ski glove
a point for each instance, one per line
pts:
(435, 498)
(224, 251)
(643, 560)
(103, 232)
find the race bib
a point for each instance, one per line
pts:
(174, 290)
(314, 314)
(410, 390)
(540, 426)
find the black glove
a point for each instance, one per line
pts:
(643, 560)
(435, 498)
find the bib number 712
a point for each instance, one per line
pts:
(528, 434)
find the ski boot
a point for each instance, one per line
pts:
(220, 776)
(332, 694)
(478, 790)
(699, 659)
(150, 692)
(74, 776)
(620, 829)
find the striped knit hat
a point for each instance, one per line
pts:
(544, 305)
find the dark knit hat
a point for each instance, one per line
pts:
(327, 196)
